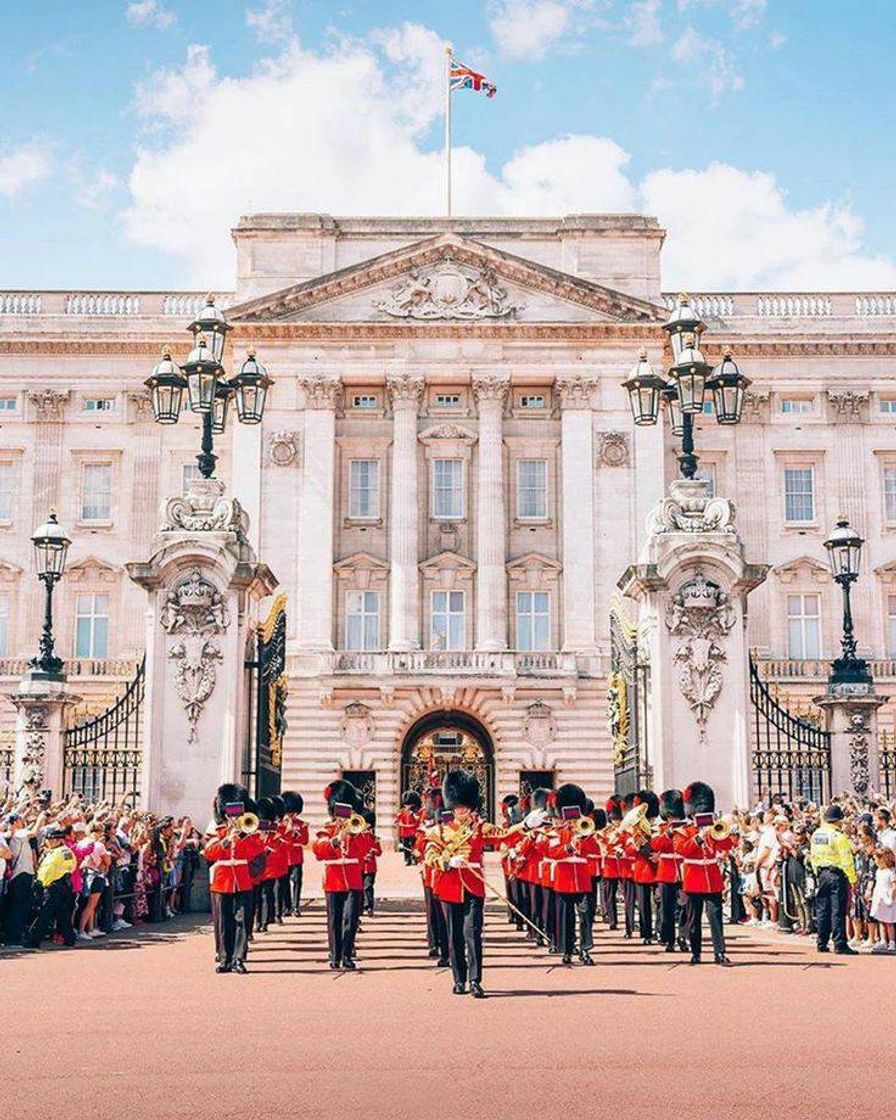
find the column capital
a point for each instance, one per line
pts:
(48, 404)
(321, 391)
(575, 389)
(491, 387)
(406, 389)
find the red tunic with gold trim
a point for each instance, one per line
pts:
(277, 845)
(343, 862)
(297, 837)
(464, 840)
(701, 873)
(643, 869)
(528, 858)
(408, 821)
(668, 862)
(610, 863)
(569, 858)
(229, 872)
(370, 865)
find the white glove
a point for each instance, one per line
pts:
(456, 861)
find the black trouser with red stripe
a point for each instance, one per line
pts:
(644, 896)
(610, 890)
(464, 923)
(713, 906)
(628, 895)
(568, 903)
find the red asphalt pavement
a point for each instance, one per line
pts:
(141, 1027)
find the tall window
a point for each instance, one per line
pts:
(803, 626)
(364, 488)
(891, 625)
(890, 495)
(448, 620)
(447, 488)
(533, 620)
(189, 472)
(96, 492)
(4, 623)
(362, 620)
(799, 494)
(6, 490)
(532, 489)
(92, 625)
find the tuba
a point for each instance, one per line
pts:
(636, 823)
(583, 828)
(718, 830)
(246, 822)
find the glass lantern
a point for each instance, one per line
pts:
(202, 373)
(166, 386)
(251, 386)
(211, 324)
(50, 548)
(728, 385)
(844, 547)
(690, 374)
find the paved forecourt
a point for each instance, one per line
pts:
(142, 1026)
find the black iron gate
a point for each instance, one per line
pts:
(102, 757)
(886, 742)
(627, 693)
(364, 782)
(536, 779)
(266, 703)
(791, 756)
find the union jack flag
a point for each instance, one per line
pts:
(462, 77)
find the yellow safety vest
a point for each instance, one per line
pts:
(831, 848)
(55, 864)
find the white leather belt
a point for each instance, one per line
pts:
(700, 863)
(571, 859)
(231, 862)
(338, 861)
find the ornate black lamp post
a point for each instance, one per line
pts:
(684, 390)
(844, 547)
(209, 392)
(50, 548)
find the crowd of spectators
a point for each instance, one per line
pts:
(772, 882)
(77, 871)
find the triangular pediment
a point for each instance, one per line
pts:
(886, 573)
(358, 560)
(447, 278)
(9, 571)
(447, 561)
(803, 567)
(92, 569)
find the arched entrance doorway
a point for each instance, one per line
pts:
(443, 741)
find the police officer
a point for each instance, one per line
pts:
(832, 861)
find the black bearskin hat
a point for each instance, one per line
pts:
(600, 818)
(672, 805)
(627, 801)
(370, 816)
(266, 810)
(510, 800)
(228, 794)
(538, 798)
(649, 798)
(344, 792)
(294, 802)
(279, 805)
(411, 799)
(614, 808)
(460, 788)
(571, 795)
(589, 807)
(699, 798)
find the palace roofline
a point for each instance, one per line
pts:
(378, 225)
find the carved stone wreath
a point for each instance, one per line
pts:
(612, 449)
(539, 725)
(194, 612)
(859, 770)
(701, 615)
(284, 448)
(357, 725)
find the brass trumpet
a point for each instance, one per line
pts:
(245, 822)
(583, 828)
(635, 822)
(353, 825)
(718, 830)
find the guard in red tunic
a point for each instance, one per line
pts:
(627, 873)
(281, 883)
(644, 866)
(701, 870)
(276, 865)
(408, 820)
(569, 849)
(511, 814)
(369, 869)
(609, 850)
(455, 849)
(297, 838)
(668, 865)
(231, 853)
(588, 910)
(528, 860)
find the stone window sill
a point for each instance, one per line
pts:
(81, 523)
(533, 523)
(362, 523)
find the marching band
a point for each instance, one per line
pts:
(562, 858)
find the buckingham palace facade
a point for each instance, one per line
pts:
(447, 483)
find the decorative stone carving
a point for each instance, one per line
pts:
(701, 615)
(32, 760)
(321, 392)
(847, 403)
(754, 406)
(612, 449)
(574, 390)
(283, 448)
(204, 508)
(406, 390)
(689, 509)
(447, 431)
(357, 726)
(539, 725)
(491, 389)
(447, 291)
(194, 612)
(142, 403)
(49, 404)
(508, 692)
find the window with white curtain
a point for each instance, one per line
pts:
(533, 620)
(7, 490)
(532, 489)
(803, 626)
(96, 492)
(890, 495)
(447, 488)
(447, 623)
(799, 494)
(364, 488)
(92, 625)
(362, 620)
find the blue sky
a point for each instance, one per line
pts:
(135, 133)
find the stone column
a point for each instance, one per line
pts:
(40, 725)
(577, 465)
(491, 518)
(855, 757)
(405, 392)
(316, 513)
(691, 584)
(205, 588)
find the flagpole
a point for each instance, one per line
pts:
(449, 50)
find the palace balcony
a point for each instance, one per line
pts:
(465, 663)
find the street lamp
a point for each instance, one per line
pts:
(208, 391)
(50, 548)
(684, 391)
(844, 547)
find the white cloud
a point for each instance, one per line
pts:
(219, 147)
(94, 194)
(712, 62)
(776, 40)
(150, 13)
(22, 167)
(643, 23)
(272, 22)
(529, 28)
(746, 14)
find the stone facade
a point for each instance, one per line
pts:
(492, 345)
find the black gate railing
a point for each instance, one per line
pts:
(102, 757)
(887, 747)
(266, 703)
(627, 693)
(536, 779)
(791, 756)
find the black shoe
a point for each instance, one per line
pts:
(349, 965)
(239, 966)
(646, 940)
(335, 965)
(539, 942)
(627, 936)
(694, 960)
(433, 952)
(846, 951)
(553, 949)
(460, 989)
(670, 948)
(614, 926)
(567, 959)
(476, 990)
(683, 945)
(222, 968)
(585, 957)
(443, 962)
(726, 962)
(822, 948)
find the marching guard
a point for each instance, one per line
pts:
(297, 838)
(668, 869)
(700, 843)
